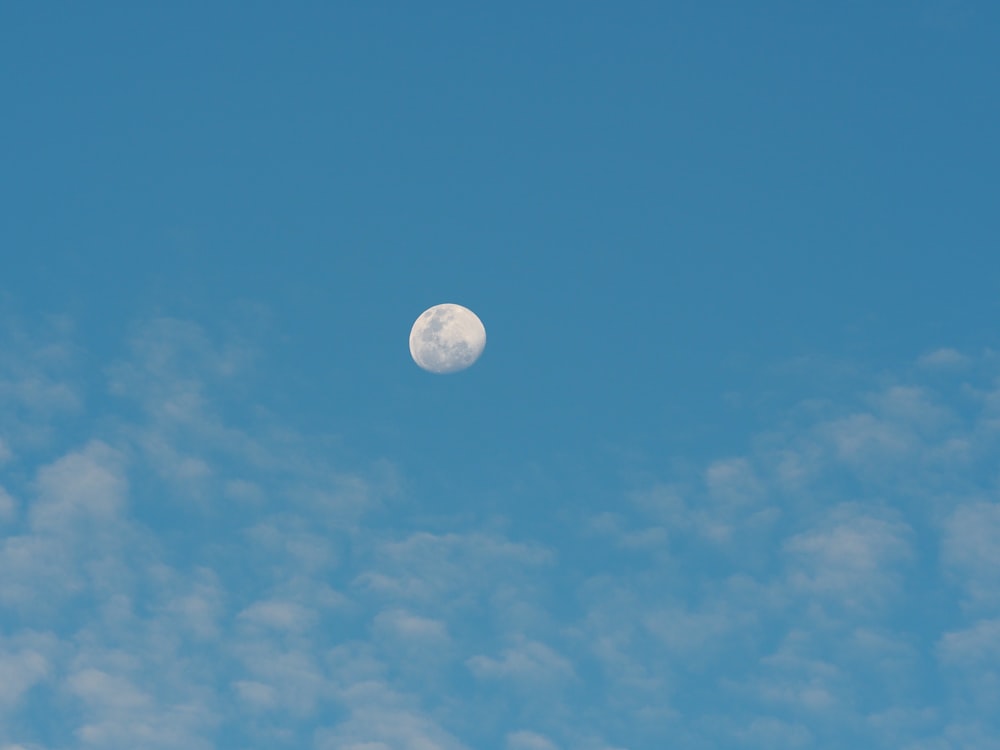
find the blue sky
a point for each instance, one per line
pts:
(725, 476)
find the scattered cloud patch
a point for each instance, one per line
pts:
(943, 359)
(189, 575)
(25, 661)
(8, 507)
(84, 487)
(851, 558)
(524, 740)
(732, 481)
(528, 663)
(971, 551)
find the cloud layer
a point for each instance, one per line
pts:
(176, 572)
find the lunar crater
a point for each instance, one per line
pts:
(447, 338)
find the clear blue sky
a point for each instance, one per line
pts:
(725, 476)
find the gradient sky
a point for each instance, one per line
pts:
(726, 475)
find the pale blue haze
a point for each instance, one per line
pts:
(726, 476)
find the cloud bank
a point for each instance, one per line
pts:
(172, 575)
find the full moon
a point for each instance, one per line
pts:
(447, 338)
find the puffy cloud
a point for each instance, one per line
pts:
(769, 732)
(426, 567)
(86, 487)
(181, 578)
(524, 740)
(943, 359)
(852, 558)
(529, 663)
(866, 442)
(971, 552)
(380, 717)
(978, 645)
(406, 625)
(732, 480)
(25, 661)
(8, 507)
(258, 695)
(686, 634)
(279, 615)
(119, 713)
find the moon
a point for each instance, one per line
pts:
(447, 338)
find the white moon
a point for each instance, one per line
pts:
(447, 338)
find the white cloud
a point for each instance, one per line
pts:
(36, 393)
(943, 359)
(866, 442)
(244, 491)
(169, 361)
(911, 405)
(293, 546)
(292, 674)
(977, 646)
(403, 624)
(732, 480)
(852, 558)
(616, 527)
(431, 567)
(686, 633)
(632, 675)
(8, 507)
(665, 504)
(972, 553)
(279, 615)
(768, 732)
(76, 529)
(84, 487)
(127, 700)
(898, 724)
(25, 662)
(107, 692)
(380, 717)
(36, 573)
(794, 467)
(173, 464)
(256, 694)
(194, 571)
(525, 740)
(529, 663)
(193, 604)
(974, 734)
(685, 513)
(36, 388)
(792, 677)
